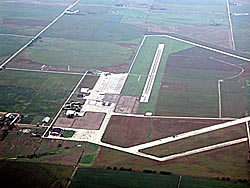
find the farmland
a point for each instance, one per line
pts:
(107, 178)
(91, 59)
(128, 131)
(34, 93)
(199, 141)
(225, 162)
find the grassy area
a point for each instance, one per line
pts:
(79, 27)
(191, 182)
(34, 93)
(200, 97)
(9, 45)
(68, 133)
(88, 54)
(90, 177)
(225, 162)
(89, 154)
(25, 13)
(107, 178)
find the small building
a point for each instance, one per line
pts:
(84, 90)
(56, 132)
(70, 113)
(46, 119)
(148, 114)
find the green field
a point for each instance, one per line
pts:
(89, 54)
(200, 98)
(34, 93)
(89, 177)
(89, 154)
(224, 162)
(25, 15)
(92, 177)
(10, 44)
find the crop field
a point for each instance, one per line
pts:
(64, 52)
(23, 174)
(129, 131)
(195, 142)
(19, 144)
(224, 162)
(34, 93)
(115, 178)
(189, 85)
(24, 18)
(107, 178)
(10, 44)
(58, 152)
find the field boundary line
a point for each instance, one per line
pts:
(133, 62)
(43, 71)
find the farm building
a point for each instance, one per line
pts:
(46, 119)
(56, 132)
(85, 90)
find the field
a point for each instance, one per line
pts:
(192, 79)
(34, 93)
(129, 131)
(225, 162)
(92, 177)
(90, 121)
(207, 139)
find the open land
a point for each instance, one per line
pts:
(198, 78)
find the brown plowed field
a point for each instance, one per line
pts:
(198, 58)
(24, 22)
(130, 131)
(90, 121)
(199, 141)
(64, 122)
(89, 81)
(127, 104)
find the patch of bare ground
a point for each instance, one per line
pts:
(90, 121)
(127, 104)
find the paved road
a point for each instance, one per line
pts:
(230, 25)
(37, 35)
